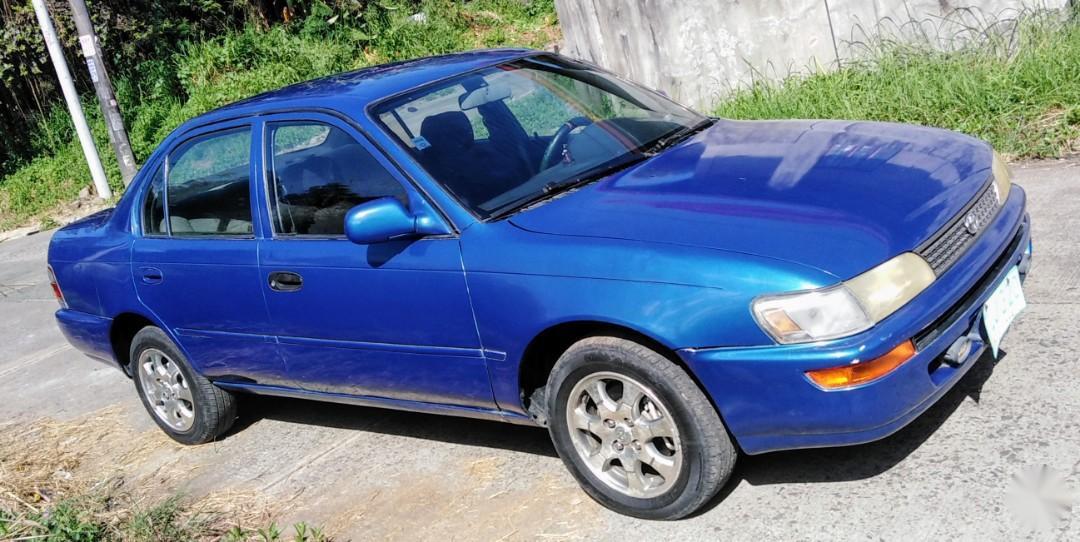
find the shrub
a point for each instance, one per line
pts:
(159, 94)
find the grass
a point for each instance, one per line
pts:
(200, 76)
(96, 519)
(1018, 89)
(77, 481)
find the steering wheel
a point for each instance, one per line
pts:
(553, 152)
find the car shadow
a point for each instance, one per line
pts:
(841, 464)
(449, 429)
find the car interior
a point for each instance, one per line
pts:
(316, 186)
(216, 205)
(478, 148)
(485, 172)
(454, 154)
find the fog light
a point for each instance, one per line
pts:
(1025, 261)
(959, 351)
(854, 374)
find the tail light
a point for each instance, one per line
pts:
(56, 288)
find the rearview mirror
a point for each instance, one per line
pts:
(386, 219)
(484, 95)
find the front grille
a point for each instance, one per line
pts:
(943, 251)
(985, 282)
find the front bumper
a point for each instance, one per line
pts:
(769, 404)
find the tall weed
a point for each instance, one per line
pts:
(1018, 89)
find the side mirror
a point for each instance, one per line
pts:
(386, 219)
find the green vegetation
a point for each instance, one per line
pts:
(87, 519)
(200, 74)
(1016, 88)
(1019, 90)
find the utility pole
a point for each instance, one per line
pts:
(72, 98)
(104, 89)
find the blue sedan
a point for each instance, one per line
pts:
(517, 236)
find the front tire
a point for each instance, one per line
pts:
(184, 404)
(635, 430)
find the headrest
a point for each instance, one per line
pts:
(447, 130)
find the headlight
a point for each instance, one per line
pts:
(846, 308)
(812, 315)
(1002, 178)
(891, 285)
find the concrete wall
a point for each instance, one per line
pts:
(698, 50)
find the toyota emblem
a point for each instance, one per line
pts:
(972, 223)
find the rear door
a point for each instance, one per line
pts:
(387, 320)
(195, 265)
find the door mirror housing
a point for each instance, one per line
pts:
(386, 219)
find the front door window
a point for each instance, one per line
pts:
(317, 173)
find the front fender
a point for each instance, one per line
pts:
(523, 283)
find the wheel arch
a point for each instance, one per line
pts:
(122, 331)
(543, 351)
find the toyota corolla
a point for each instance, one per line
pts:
(516, 236)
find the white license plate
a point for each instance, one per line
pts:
(1001, 309)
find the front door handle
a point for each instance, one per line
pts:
(285, 281)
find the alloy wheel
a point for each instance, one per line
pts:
(624, 434)
(166, 389)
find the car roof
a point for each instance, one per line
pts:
(353, 91)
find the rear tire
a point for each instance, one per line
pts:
(635, 430)
(184, 404)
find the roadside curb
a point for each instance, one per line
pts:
(18, 233)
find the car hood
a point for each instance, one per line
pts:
(838, 196)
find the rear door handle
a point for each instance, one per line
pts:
(151, 275)
(285, 281)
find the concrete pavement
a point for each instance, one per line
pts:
(372, 474)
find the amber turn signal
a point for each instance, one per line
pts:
(855, 374)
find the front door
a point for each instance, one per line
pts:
(390, 320)
(195, 264)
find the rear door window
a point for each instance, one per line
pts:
(208, 181)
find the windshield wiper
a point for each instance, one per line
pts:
(677, 136)
(554, 188)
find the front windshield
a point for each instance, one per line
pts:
(508, 136)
